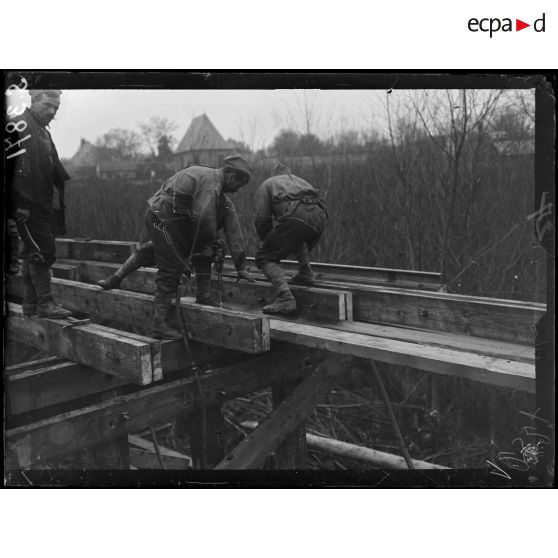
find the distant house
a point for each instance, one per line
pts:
(107, 170)
(202, 144)
(84, 161)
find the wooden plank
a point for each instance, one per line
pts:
(65, 271)
(32, 365)
(225, 328)
(490, 318)
(141, 281)
(378, 459)
(71, 431)
(112, 251)
(119, 356)
(485, 369)
(325, 304)
(252, 452)
(325, 272)
(477, 345)
(33, 389)
(102, 250)
(321, 304)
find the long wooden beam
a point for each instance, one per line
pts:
(60, 382)
(361, 274)
(378, 459)
(224, 328)
(120, 356)
(71, 431)
(117, 251)
(440, 360)
(503, 320)
(101, 250)
(321, 304)
(463, 343)
(489, 318)
(251, 452)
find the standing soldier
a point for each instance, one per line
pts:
(183, 217)
(290, 219)
(144, 256)
(37, 183)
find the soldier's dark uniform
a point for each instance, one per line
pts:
(228, 221)
(290, 219)
(37, 184)
(182, 219)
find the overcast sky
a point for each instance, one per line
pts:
(253, 116)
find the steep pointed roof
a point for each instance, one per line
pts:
(86, 155)
(202, 135)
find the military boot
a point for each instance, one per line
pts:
(285, 302)
(203, 288)
(161, 329)
(304, 275)
(113, 281)
(29, 303)
(46, 308)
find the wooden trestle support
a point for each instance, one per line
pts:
(104, 385)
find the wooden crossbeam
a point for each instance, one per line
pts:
(324, 273)
(503, 320)
(224, 328)
(120, 356)
(464, 343)
(101, 250)
(117, 251)
(71, 431)
(31, 365)
(313, 303)
(489, 318)
(54, 383)
(65, 271)
(440, 360)
(251, 452)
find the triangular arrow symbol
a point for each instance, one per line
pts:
(519, 25)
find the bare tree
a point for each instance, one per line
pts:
(120, 143)
(156, 129)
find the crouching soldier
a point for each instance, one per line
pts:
(182, 218)
(290, 219)
(144, 256)
(37, 181)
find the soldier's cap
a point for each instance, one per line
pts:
(238, 163)
(34, 93)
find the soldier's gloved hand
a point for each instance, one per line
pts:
(219, 248)
(22, 214)
(187, 271)
(246, 275)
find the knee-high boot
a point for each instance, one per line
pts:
(161, 328)
(46, 308)
(29, 304)
(285, 302)
(129, 266)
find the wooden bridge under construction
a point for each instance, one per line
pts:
(102, 386)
